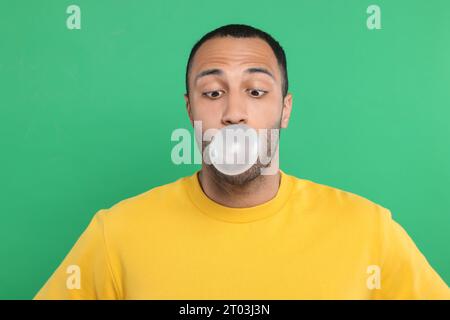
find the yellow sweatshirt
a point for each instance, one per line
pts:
(310, 241)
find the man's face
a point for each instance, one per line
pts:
(237, 81)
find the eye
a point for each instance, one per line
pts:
(257, 93)
(215, 94)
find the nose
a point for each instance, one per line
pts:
(235, 112)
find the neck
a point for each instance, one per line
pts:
(258, 191)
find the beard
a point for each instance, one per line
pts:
(253, 172)
(243, 178)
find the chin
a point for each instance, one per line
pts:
(239, 179)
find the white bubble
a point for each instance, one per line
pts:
(233, 149)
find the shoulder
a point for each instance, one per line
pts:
(143, 206)
(335, 202)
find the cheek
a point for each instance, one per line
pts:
(265, 113)
(208, 113)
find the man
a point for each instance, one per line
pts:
(245, 236)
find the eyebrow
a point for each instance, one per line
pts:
(208, 72)
(219, 72)
(260, 70)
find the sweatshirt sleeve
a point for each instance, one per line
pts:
(405, 272)
(85, 273)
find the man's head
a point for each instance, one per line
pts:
(237, 74)
(243, 32)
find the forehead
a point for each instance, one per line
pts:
(226, 52)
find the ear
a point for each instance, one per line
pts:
(286, 112)
(188, 108)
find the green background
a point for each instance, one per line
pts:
(86, 115)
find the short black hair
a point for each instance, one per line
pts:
(243, 31)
